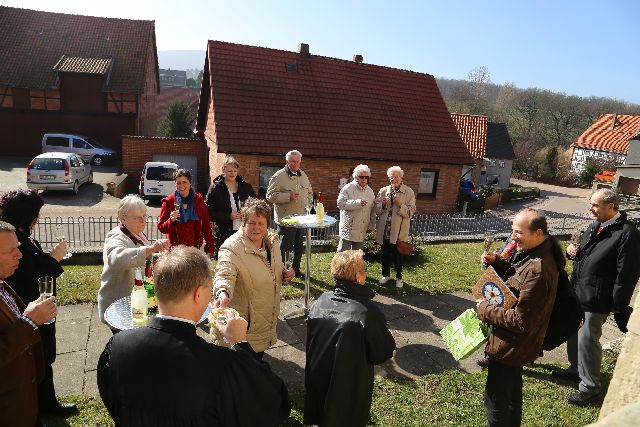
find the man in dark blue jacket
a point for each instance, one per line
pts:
(605, 272)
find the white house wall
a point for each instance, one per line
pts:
(580, 156)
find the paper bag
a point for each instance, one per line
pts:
(465, 335)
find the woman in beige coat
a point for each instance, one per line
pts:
(250, 273)
(395, 204)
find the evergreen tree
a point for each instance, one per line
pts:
(588, 174)
(177, 122)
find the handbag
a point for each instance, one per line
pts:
(404, 248)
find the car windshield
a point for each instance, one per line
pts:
(48, 164)
(93, 142)
(160, 173)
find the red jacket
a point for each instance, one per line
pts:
(191, 233)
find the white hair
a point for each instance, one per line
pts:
(293, 153)
(393, 169)
(129, 203)
(360, 169)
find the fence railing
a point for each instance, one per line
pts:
(87, 234)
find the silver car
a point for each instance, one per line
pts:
(58, 171)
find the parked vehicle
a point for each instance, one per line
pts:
(58, 171)
(156, 180)
(88, 148)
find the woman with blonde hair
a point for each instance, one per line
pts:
(250, 273)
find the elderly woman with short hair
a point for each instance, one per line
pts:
(125, 248)
(346, 336)
(357, 216)
(395, 205)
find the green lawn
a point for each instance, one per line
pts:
(449, 398)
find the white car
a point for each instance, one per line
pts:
(58, 171)
(157, 180)
(89, 149)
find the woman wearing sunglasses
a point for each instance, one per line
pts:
(357, 216)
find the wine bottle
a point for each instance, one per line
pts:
(319, 209)
(139, 304)
(312, 211)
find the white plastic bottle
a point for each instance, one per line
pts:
(139, 304)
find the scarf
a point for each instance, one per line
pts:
(137, 240)
(190, 214)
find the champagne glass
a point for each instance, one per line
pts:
(489, 239)
(45, 286)
(575, 238)
(288, 259)
(60, 236)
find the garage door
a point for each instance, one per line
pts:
(184, 162)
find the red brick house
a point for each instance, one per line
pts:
(258, 103)
(74, 74)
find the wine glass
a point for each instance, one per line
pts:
(45, 286)
(489, 239)
(60, 236)
(575, 238)
(288, 259)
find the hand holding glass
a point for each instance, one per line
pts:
(60, 236)
(45, 286)
(288, 259)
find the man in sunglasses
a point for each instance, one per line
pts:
(357, 216)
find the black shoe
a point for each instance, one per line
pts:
(300, 274)
(566, 375)
(484, 362)
(580, 398)
(61, 410)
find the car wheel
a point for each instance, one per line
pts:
(90, 179)
(97, 160)
(75, 187)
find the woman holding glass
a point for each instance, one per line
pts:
(184, 216)
(225, 198)
(125, 248)
(250, 273)
(21, 208)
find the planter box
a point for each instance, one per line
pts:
(492, 201)
(512, 195)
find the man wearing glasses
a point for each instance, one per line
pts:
(356, 201)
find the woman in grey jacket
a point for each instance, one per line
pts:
(356, 209)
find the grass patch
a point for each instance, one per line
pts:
(448, 398)
(79, 283)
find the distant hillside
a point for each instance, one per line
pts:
(181, 59)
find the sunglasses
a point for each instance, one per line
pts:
(364, 177)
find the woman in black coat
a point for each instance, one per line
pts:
(226, 188)
(21, 208)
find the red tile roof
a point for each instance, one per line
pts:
(605, 135)
(32, 42)
(473, 131)
(268, 101)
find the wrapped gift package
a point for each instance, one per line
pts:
(465, 335)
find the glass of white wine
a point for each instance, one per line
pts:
(60, 236)
(45, 286)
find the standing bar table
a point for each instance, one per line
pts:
(309, 222)
(118, 314)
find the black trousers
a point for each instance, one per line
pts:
(292, 239)
(503, 395)
(46, 391)
(389, 252)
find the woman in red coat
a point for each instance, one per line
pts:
(184, 216)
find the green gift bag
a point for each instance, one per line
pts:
(465, 335)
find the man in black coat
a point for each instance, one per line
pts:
(605, 272)
(166, 375)
(346, 336)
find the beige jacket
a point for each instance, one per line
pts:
(252, 284)
(356, 219)
(281, 185)
(401, 215)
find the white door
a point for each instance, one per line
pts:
(183, 162)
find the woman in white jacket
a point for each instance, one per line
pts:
(357, 216)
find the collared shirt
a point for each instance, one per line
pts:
(180, 319)
(8, 299)
(292, 173)
(611, 221)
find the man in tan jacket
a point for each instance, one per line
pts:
(290, 193)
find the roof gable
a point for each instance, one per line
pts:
(610, 132)
(473, 131)
(499, 144)
(271, 101)
(33, 42)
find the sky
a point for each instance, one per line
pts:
(578, 47)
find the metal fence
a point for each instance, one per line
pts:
(87, 234)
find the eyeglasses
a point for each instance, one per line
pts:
(363, 177)
(139, 218)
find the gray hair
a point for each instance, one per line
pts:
(293, 153)
(179, 272)
(5, 227)
(130, 202)
(361, 169)
(609, 196)
(393, 169)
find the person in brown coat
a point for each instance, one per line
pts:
(517, 333)
(21, 355)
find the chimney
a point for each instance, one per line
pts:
(613, 122)
(303, 49)
(357, 59)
